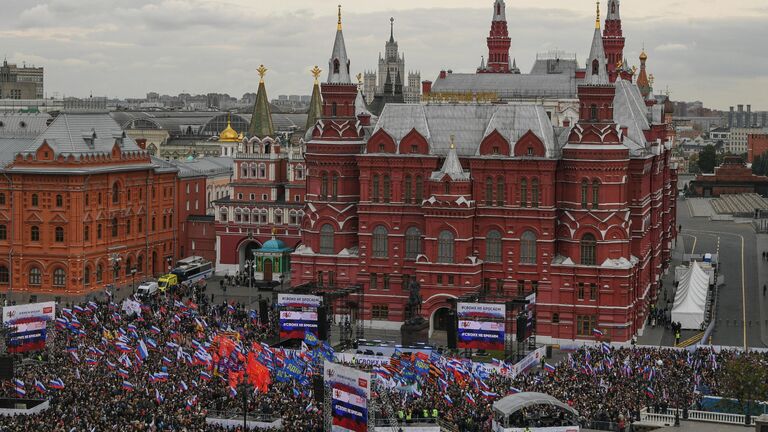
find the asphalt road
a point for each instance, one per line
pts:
(738, 303)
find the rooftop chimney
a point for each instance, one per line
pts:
(426, 87)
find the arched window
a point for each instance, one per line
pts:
(262, 171)
(86, 233)
(613, 8)
(87, 275)
(324, 185)
(115, 193)
(59, 277)
(593, 112)
(445, 247)
(447, 188)
(334, 109)
(387, 189)
(380, 235)
(5, 275)
(595, 67)
(128, 266)
(375, 190)
(98, 231)
(244, 171)
(588, 250)
(59, 201)
(34, 233)
(493, 246)
(335, 187)
(99, 273)
(528, 248)
(595, 194)
(253, 171)
(584, 190)
(59, 235)
(419, 189)
(412, 243)
(500, 195)
(3, 232)
(35, 201)
(326, 240)
(35, 276)
(335, 66)
(523, 193)
(140, 264)
(407, 189)
(489, 191)
(114, 226)
(535, 192)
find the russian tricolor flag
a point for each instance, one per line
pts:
(649, 392)
(597, 332)
(448, 399)
(154, 330)
(232, 392)
(40, 387)
(128, 386)
(57, 384)
(470, 399)
(142, 350)
(123, 373)
(513, 390)
(20, 391)
(549, 368)
(158, 397)
(183, 386)
(205, 376)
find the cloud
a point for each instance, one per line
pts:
(127, 48)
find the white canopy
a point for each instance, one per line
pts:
(691, 298)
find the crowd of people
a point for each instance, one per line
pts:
(105, 369)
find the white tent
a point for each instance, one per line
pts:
(691, 298)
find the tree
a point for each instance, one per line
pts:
(743, 378)
(760, 164)
(707, 159)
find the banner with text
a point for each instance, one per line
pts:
(27, 325)
(295, 325)
(350, 393)
(481, 326)
(299, 300)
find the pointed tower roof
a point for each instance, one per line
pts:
(392, 30)
(597, 65)
(499, 11)
(482, 62)
(451, 166)
(316, 104)
(361, 108)
(338, 65)
(643, 83)
(261, 121)
(613, 10)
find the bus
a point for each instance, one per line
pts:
(192, 270)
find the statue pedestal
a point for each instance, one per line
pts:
(414, 331)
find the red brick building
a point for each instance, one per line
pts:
(81, 205)
(492, 199)
(757, 145)
(267, 192)
(732, 177)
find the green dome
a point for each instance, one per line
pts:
(273, 245)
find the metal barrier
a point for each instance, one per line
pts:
(667, 417)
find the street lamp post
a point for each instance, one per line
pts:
(250, 266)
(115, 259)
(133, 282)
(245, 401)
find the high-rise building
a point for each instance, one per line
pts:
(20, 82)
(390, 80)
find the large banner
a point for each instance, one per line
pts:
(530, 313)
(298, 300)
(350, 393)
(294, 324)
(481, 326)
(481, 311)
(27, 325)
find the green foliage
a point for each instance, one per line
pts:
(745, 379)
(760, 164)
(707, 159)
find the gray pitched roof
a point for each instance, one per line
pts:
(451, 167)
(469, 124)
(68, 132)
(206, 166)
(22, 125)
(629, 111)
(339, 53)
(10, 147)
(510, 86)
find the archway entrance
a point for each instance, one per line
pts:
(267, 269)
(441, 320)
(246, 255)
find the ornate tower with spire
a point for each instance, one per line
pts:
(334, 142)
(613, 39)
(261, 121)
(384, 82)
(498, 42)
(643, 82)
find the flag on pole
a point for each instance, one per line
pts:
(597, 332)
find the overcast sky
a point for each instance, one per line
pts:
(708, 50)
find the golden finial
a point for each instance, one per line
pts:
(338, 27)
(597, 19)
(359, 78)
(634, 69)
(274, 232)
(316, 71)
(453, 145)
(619, 64)
(262, 71)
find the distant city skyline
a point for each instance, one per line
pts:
(702, 50)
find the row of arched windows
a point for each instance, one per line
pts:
(585, 196)
(379, 185)
(495, 192)
(253, 171)
(413, 189)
